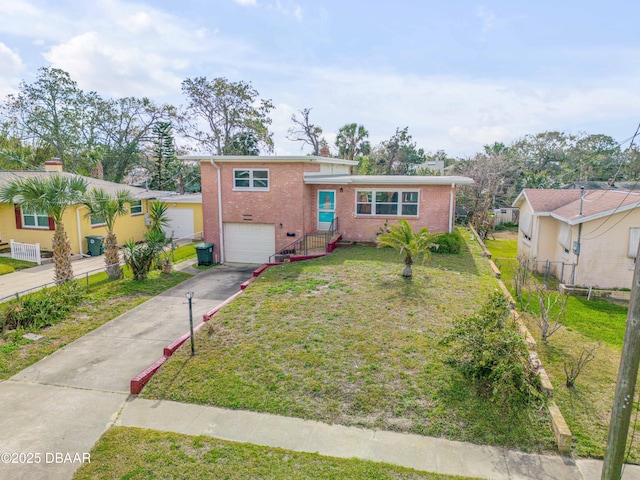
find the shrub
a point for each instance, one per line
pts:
(42, 308)
(448, 242)
(487, 348)
(506, 226)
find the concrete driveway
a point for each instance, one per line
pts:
(53, 412)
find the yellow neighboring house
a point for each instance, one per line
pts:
(37, 227)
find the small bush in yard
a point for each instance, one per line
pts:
(487, 348)
(42, 308)
(448, 242)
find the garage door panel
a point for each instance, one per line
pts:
(249, 242)
(180, 223)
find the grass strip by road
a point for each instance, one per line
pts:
(124, 452)
(588, 323)
(345, 339)
(103, 302)
(9, 265)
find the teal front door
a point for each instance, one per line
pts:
(326, 208)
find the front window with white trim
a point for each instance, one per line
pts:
(387, 203)
(251, 179)
(98, 220)
(35, 220)
(135, 207)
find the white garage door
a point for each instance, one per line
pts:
(249, 242)
(180, 223)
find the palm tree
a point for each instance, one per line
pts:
(158, 218)
(411, 245)
(158, 221)
(53, 195)
(108, 207)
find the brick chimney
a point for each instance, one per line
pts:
(53, 165)
(324, 151)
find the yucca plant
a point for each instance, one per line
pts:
(140, 257)
(109, 206)
(412, 245)
(52, 194)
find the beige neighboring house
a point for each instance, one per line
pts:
(584, 237)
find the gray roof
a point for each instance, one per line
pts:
(322, 179)
(269, 159)
(111, 187)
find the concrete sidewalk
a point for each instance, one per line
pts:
(63, 403)
(59, 407)
(34, 277)
(413, 451)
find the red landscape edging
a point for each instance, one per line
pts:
(140, 380)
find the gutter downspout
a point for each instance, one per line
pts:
(577, 249)
(451, 201)
(221, 240)
(79, 230)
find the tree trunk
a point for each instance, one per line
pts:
(406, 271)
(61, 255)
(112, 257)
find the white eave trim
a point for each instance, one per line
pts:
(269, 159)
(401, 180)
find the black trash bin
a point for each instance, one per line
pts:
(95, 245)
(205, 253)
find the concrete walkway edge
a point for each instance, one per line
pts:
(422, 453)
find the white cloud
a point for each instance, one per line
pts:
(11, 66)
(115, 70)
(135, 50)
(455, 114)
(489, 19)
(251, 3)
(291, 9)
(10, 62)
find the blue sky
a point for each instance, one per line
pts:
(459, 74)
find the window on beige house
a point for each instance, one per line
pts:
(634, 239)
(525, 226)
(564, 238)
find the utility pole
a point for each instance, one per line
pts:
(626, 386)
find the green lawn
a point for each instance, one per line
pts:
(345, 339)
(501, 248)
(587, 323)
(104, 301)
(184, 252)
(9, 265)
(129, 453)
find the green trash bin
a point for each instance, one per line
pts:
(205, 253)
(95, 245)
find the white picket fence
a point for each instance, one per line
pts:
(29, 252)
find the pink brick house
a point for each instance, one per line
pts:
(255, 206)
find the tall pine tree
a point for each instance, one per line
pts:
(162, 171)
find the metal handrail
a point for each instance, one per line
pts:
(302, 245)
